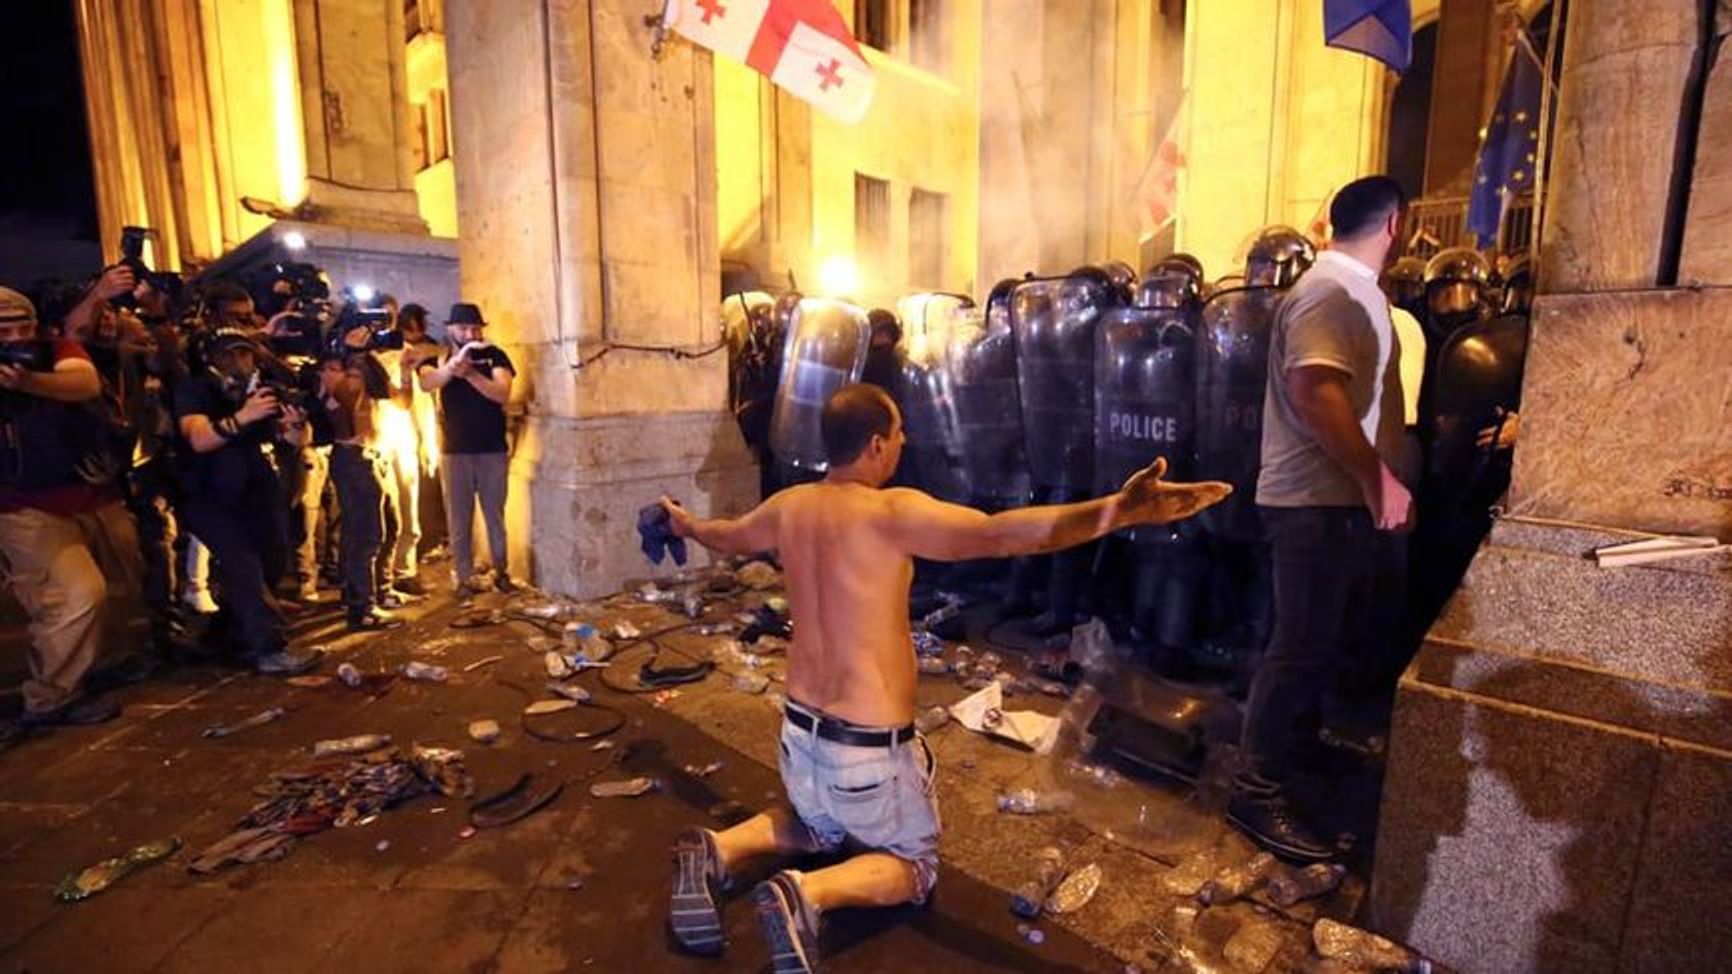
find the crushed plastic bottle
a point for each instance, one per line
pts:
(926, 644)
(359, 744)
(629, 788)
(1294, 885)
(417, 670)
(484, 731)
(751, 682)
(931, 719)
(944, 613)
(1362, 948)
(1186, 878)
(558, 667)
(1076, 890)
(1027, 801)
(94, 879)
(1235, 881)
(256, 720)
(1030, 898)
(1254, 945)
(570, 691)
(932, 665)
(350, 676)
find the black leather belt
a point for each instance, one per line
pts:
(841, 732)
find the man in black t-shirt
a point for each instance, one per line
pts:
(235, 502)
(474, 384)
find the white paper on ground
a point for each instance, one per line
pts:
(1026, 727)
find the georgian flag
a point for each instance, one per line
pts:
(802, 45)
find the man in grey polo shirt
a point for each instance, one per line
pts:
(1332, 426)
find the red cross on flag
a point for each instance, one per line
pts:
(1156, 202)
(802, 45)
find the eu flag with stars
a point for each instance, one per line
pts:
(1382, 29)
(1509, 152)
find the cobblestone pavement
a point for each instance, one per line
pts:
(582, 883)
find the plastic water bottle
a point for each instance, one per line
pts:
(1362, 948)
(1030, 898)
(350, 676)
(1027, 801)
(1302, 884)
(1235, 881)
(417, 670)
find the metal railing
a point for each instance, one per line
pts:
(1440, 222)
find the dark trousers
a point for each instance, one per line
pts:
(360, 492)
(247, 533)
(148, 499)
(1324, 565)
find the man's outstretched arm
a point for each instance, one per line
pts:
(747, 534)
(933, 529)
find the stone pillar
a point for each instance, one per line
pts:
(1560, 749)
(355, 107)
(586, 193)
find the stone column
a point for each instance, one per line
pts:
(586, 193)
(1560, 745)
(355, 107)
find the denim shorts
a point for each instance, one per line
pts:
(880, 798)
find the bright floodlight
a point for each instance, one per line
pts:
(295, 240)
(364, 293)
(838, 277)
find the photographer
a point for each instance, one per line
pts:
(357, 470)
(66, 541)
(400, 444)
(235, 505)
(474, 384)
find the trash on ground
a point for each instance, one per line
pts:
(541, 644)
(350, 676)
(570, 691)
(91, 880)
(926, 644)
(381, 845)
(931, 719)
(757, 575)
(1075, 891)
(1027, 801)
(751, 682)
(484, 661)
(334, 794)
(704, 771)
(466, 832)
(1235, 881)
(1030, 897)
(932, 666)
(359, 744)
(1362, 948)
(1254, 945)
(256, 720)
(310, 681)
(724, 810)
(625, 630)
(1291, 886)
(558, 667)
(664, 697)
(543, 610)
(629, 788)
(1188, 877)
(525, 796)
(484, 731)
(574, 883)
(601, 746)
(417, 670)
(983, 712)
(713, 629)
(1033, 935)
(540, 707)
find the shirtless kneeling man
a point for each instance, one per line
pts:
(853, 765)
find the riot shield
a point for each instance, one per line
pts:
(1478, 381)
(1232, 375)
(1145, 394)
(824, 350)
(980, 361)
(932, 456)
(1054, 321)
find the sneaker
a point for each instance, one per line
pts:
(76, 712)
(692, 912)
(412, 586)
(503, 583)
(373, 620)
(287, 662)
(199, 600)
(790, 924)
(1270, 822)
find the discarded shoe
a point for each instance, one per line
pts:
(523, 798)
(697, 882)
(789, 923)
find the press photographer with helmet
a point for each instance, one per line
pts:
(227, 417)
(67, 544)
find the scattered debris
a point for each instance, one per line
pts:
(1188, 877)
(601, 746)
(1030, 898)
(751, 682)
(574, 883)
(256, 720)
(570, 691)
(417, 670)
(484, 731)
(629, 788)
(1076, 890)
(359, 744)
(1027, 801)
(1294, 885)
(664, 697)
(932, 665)
(484, 661)
(540, 707)
(1235, 881)
(350, 676)
(382, 845)
(311, 681)
(931, 719)
(91, 880)
(983, 712)
(625, 630)
(558, 667)
(466, 832)
(704, 771)
(757, 575)
(724, 810)
(1362, 948)
(1254, 945)
(541, 644)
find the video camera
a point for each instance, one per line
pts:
(381, 334)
